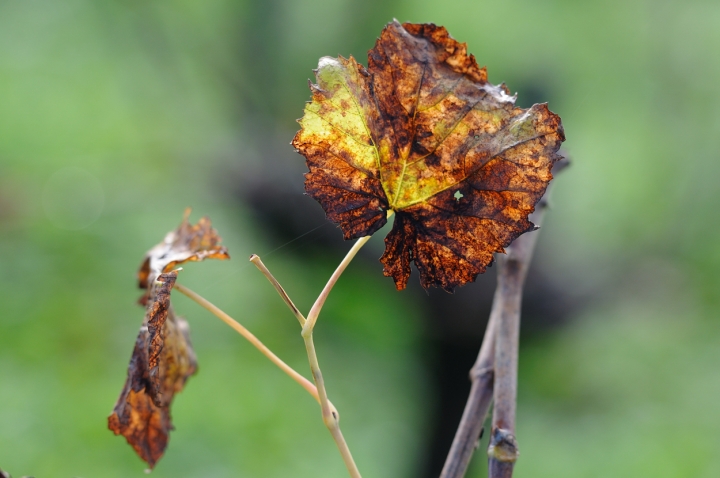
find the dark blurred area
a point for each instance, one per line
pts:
(117, 115)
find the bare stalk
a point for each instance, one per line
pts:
(329, 414)
(494, 375)
(329, 418)
(255, 259)
(302, 381)
(320, 301)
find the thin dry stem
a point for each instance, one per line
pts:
(255, 259)
(320, 301)
(331, 420)
(329, 416)
(213, 309)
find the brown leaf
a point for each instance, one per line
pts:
(186, 243)
(422, 132)
(163, 358)
(161, 363)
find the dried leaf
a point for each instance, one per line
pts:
(163, 358)
(184, 244)
(422, 132)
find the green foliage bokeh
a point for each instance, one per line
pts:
(148, 105)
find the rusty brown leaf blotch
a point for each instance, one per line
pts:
(422, 132)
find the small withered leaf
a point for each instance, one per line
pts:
(142, 413)
(186, 243)
(163, 358)
(422, 132)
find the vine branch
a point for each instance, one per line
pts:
(494, 375)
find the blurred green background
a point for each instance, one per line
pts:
(117, 114)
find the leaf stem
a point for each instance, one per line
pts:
(331, 421)
(329, 414)
(213, 309)
(320, 301)
(255, 259)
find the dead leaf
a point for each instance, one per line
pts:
(186, 243)
(163, 358)
(422, 132)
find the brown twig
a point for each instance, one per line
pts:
(503, 450)
(494, 375)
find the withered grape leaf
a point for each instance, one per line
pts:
(186, 243)
(420, 131)
(163, 358)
